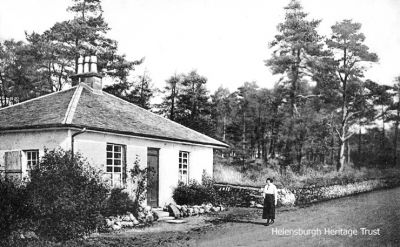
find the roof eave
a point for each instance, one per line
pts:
(220, 145)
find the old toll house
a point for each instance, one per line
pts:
(110, 132)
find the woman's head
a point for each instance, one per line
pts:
(269, 180)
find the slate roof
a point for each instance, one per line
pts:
(83, 107)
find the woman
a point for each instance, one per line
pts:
(270, 200)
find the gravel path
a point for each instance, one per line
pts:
(339, 222)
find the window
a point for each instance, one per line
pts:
(115, 161)
(32, 158)
(183, 167)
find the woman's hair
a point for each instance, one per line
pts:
(270, 179)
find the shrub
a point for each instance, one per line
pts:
(139, 178)
(118, 203)
(13, 206)
(195, 193)
(66, 196)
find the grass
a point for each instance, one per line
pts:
(256, 174)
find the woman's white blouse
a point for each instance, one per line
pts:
(270, 189)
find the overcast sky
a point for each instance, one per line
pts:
(225, 40)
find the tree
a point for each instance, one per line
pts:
(138, 92)
(295, 49)
(187, 102)
(168, 105)
(394, 115)
(220, 111)
(193, 106)
(19, 78)
(143, 91)
(347, 43)
(57, 49)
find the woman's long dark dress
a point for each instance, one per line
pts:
(269, 207)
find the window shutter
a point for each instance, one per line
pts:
(124, 175)
(13, 164)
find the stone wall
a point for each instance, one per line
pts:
(246, 196)
(313, 194)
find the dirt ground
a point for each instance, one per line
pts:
(369, 219)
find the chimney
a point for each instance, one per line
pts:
(87, 73)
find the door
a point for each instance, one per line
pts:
(152, 176)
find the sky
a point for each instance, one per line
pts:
(224, 40)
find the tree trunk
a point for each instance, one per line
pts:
(359, 146)
(224, 129)
(342, 157)
(348, 152)
(396, 134)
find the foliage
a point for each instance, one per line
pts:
(118, 203)
(187, 102)
(195, 193)
(139, 177)
(45, 63)
(13, 206)
(138, 92)
(65, 196)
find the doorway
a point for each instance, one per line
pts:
(152, 176)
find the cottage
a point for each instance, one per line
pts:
(110, 132)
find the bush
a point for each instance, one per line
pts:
(118, 203)
(140, 178)
(195, 193)
(66, 196)
(13, 208)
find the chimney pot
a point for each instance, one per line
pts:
(87, 73)
(80, 65)
(86, 65)
(93, 64)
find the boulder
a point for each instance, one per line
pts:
(135, 222)
(127, 224)
(286, 197)
(215, 209)
(141, 215)
(30, 235)
(207, 209)
(174, 211)
(109, 222)
(116, 227)
(196, 211)
(155, 216)
(184, 210)
(125, 218)
(131, 217)
(201, 211)
(149, 218)
(190, 211)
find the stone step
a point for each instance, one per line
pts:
(166, 218)
(161, 214)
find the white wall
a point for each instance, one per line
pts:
(93, 146)
(39, 139)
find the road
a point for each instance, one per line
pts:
(369, 219)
